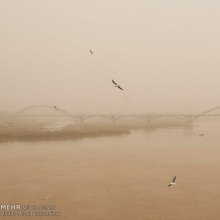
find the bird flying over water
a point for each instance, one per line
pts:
(173, 182)
(46, 197)
(91, 52)
(116, 85)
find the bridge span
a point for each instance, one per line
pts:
(82, 118)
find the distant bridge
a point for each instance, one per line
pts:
(81, 118)
(202, 114)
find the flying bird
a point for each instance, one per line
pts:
(173, 182)
(46, 197)
(91, 52)
(56, 109)
(116, 85)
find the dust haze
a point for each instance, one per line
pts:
(164, 54)
(71, 138)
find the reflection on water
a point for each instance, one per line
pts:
(119, 177)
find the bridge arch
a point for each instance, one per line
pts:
(23, 110)
(167, 116)
(206, 112)
(98, 116)
(140, 117)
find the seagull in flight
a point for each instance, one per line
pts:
(202, 134)
(116, 85)
(91, 52)
(173, 182)
(56, 109)
(46, 197)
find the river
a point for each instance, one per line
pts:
(119, 177)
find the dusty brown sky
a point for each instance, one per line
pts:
(164, 53)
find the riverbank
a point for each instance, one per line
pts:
(35, 131)
(47, 135)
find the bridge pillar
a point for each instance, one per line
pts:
(148, 120)
(80, 120)
(188, 120)
(113, 119)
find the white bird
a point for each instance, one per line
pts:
(46, 197)
(116, 85)
(91, 52)
(173, 182)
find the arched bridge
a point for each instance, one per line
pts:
(24, 110)
(81, 118)
(206, 113)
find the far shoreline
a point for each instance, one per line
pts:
(34, 132)
(59, 135)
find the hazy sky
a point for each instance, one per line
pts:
(165, 53)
